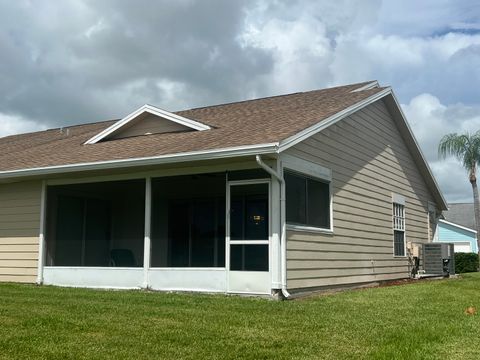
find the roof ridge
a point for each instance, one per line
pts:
(273, 96)
(242, 101)
(191, 109)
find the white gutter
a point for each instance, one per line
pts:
(145, 161)
(283, 236)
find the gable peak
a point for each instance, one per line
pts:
(155, 120)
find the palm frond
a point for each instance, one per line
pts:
(464, 147)
(453, 144)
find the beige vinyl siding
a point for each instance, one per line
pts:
(369, 161)
(19, 229)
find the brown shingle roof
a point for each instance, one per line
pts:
(261, 121)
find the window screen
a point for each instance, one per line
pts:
(307, 201)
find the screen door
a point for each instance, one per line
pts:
(248, 237)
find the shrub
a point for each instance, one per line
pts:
(466, 262)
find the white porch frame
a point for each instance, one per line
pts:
(161, 278)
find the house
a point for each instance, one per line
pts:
(284, 194)
(457, 227)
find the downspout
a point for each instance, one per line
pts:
(283, 235)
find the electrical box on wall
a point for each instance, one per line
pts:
(414, 249)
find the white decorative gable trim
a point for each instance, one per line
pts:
(119, 125)
(457, 226)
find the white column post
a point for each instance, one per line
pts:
(41, 234)
(277, 229)
(148, 221)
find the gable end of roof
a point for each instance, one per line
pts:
(325, 123)
(399, 117)
(121, 124)
(458, 226)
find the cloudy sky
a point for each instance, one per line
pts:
(68, 62)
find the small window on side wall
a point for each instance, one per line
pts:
(398, 229)
(307, 201)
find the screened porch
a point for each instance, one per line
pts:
(162, 233)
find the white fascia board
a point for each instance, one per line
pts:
(312, 130)
(457, 226)
(299, 137)
(269, 148)
(151, 110)
(404, 118)
(372, 85)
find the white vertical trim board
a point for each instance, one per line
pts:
(147, 238)
(41, 235)
(276, 231)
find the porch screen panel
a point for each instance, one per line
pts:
(188, 221)
(69, 231)
(96, 224)
(249, 213)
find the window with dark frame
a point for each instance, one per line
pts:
(307, 201)
(398, 229)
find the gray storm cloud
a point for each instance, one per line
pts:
(68, 62)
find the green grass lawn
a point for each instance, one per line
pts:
(424, 320)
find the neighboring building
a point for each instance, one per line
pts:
(289, 193)
(458, 227)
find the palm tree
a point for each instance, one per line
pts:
(466, 148)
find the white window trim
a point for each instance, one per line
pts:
(306, 167)
(311, 229)
(315, 171)
(399, 200)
